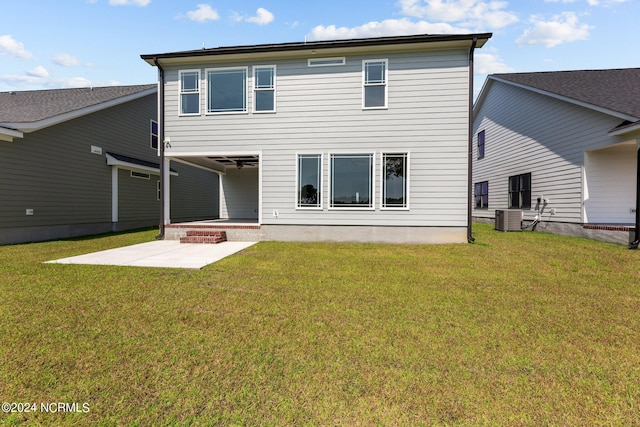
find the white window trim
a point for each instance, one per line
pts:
(372, 182)
(386, 83)
(274, 89)
(180, 92)
(297, 183)
(330, 62)
(383, 178)
(246, 91)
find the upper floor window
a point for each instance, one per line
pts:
(481, 144)
(227, 90)
(520, 191)
(481, 194)
(394, 180)
(189, 92)
(374, 84)
(351, 181)
(264, 87)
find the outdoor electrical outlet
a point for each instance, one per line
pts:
(29, 212)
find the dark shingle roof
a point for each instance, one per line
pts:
(35, 105)
(614, 89)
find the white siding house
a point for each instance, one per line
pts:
(560, 145)
(349, 140)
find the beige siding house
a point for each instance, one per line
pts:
(560, 146)
(84, 161)
(344, 140)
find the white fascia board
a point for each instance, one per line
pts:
(9, 134)
(566, 99)
(112, 161)
(51, 121)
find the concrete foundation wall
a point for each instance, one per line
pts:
(364, 234)
(575, 230)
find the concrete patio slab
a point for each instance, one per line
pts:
(162, 253)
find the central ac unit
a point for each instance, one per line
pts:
(509, 220)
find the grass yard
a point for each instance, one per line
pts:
(516, 329)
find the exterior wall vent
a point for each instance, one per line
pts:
(509, 220)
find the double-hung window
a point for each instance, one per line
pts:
(374, 93)
(154, 135)
(189, 92)
(227, 90)
(264, 89)
(481, 194)
(394, 180)
(309, 182)
(520, 191)
(351, 177)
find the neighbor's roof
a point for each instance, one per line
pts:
(322, 45)
(19, 109)
(616, 90)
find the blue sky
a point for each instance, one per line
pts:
(48, 44)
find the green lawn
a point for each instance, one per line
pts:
(516, 329)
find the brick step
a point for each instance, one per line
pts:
(204, 236)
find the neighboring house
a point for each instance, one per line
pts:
(562, 144)
(343, 140)
(82, 161)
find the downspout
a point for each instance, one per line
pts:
(470, 238)
(636, 241)
(160, 236)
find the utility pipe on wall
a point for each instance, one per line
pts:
(160, 236)
(470, 238)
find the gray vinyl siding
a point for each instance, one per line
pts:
(53, 171)
(239, 195)
(319, 110)
(137, 198)
(530, 132)
(194, 194)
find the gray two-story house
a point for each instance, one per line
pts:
(85, 160)
(560, 147)
(343, 140)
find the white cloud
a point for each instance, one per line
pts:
(203, 13)
(263, 17)
(46, 81)
(66, 60)
(140, 3)
(388, 27)
(468, 13)
(39, 71)
(489, 63)
(10, 46)
(560, 29)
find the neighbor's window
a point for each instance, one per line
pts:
(189, 92)
(309, 183)
(394, 180)
(520, 191)
(481, 144)
(264, 87)
(481, 194)
(227, 90)
(351, 181)
(154, 135)
(375, 84)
